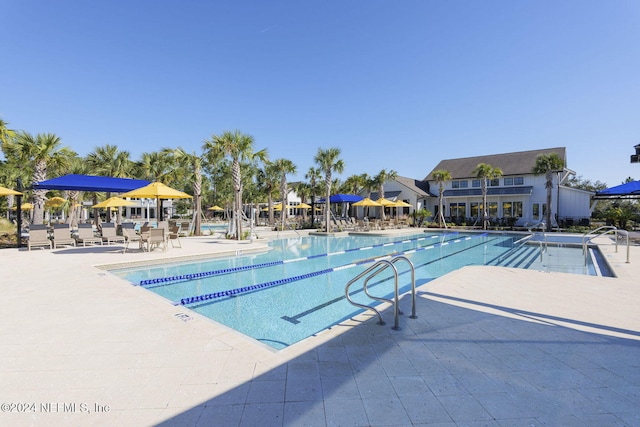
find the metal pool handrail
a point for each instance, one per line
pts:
(609, 229)
(373, 271)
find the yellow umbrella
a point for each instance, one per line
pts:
(215, 208)
(156, 190)
(278, 207)
(366, 202)
(24, 207)
(302, 206)
(401, 204)
(8, 192)
(55, 202)
(113, 202)
(385, 202)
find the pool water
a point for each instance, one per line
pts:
(297, 288)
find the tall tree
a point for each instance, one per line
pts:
(108, 160)
(282, 168)
(78, 166)
(39, 153)
(328, 161)
(238, 147)
(192, 164)
(6, 134)
(268, 179)
(313, 175)
(303, 190)
(380, 179)
(484, 173)
(441, 176)
(547, 165)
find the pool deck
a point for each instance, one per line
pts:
(491, 346)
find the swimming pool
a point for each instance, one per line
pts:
(296, 289)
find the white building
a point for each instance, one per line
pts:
(517, 194)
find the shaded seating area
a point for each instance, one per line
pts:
(39, 237)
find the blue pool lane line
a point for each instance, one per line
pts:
(238, 291)
(196, 276)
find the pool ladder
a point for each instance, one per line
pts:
(372, 272)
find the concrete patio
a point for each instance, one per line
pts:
(492, 346)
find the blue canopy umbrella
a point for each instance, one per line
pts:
(629, 190)
(91, 183)
(342, 198)
(345, 199)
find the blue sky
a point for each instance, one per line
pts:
(394, 84)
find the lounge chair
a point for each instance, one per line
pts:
(130, 235)
(39, 236)
(62, 235)
(86, 235)
(110, 235)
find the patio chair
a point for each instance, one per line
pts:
(110, 235)
(62, 235)
(174, 235)
(130, 235)
(39, 236)
(156, 238)
(86, 235)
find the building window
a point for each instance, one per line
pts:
(518, 180)
(512, 209)
(508, 181)
(494, 182)
(455, 184)
(535, 211)
(475, 183)
(464, 184)
(457, 209)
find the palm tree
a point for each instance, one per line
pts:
(484, 173)
(6, 134)
(110, 161)
(382, 177)
(157, 166)
(547, 164)
(313, 175)
(268, 179)
(192, 163)
(78, 166)
(282, 168)
(303, 190)
(11, 172)
(238, 147)
(39, 153)
(328, 161)
(440, 176)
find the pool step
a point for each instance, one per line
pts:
(521, 258)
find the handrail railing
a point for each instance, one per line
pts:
(517, 245)
(609, 229)
(373, 271)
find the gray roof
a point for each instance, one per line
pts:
(518, 163)
(419, 187)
